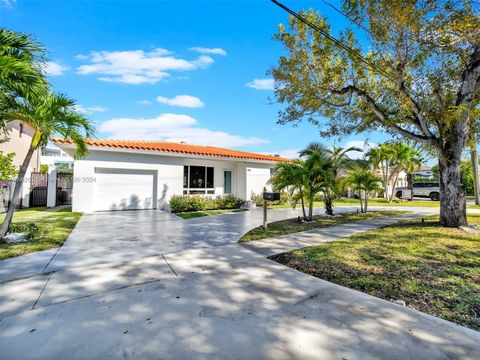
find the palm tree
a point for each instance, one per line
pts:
(362, 179)
(328, 164)
(290, 176)
(48, 115)
(392, 158)
(21, 70)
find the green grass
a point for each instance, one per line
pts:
(293, 225)
(55, 226)
(195, 214)
(433, 269)
(384, 202)
(372, 202)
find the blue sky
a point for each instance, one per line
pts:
(189, 71)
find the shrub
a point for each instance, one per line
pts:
(229, 202)
(186, 203)
(30, 229)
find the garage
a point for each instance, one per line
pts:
(124, 189)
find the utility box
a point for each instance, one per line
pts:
(271, 196)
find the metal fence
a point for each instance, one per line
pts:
(38, 189)
(64, 188)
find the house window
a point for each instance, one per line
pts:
(198, 180)
(20, 131)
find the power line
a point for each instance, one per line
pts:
(337, 42)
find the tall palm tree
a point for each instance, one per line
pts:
(22, 62)
(363, 180)
(48, 115)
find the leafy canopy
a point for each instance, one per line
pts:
(422, 83)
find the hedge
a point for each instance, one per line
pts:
(186, 203)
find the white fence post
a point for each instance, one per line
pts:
(52, 188)
(26, 187)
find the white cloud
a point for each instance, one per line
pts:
(203, 50)
(181, 100)
(364, 145)
(287, 153)
(81, 57)
(137, 66)
(261, 84)
(143, 102)
(90, 109)
(175, 128)
(54, 68)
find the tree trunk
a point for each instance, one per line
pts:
(328, 205)
(303, 208)
(361, 203)
(476, 179)
(366, 201)
(410, 185)
(453, 200)
(16, 193)
(310, 209)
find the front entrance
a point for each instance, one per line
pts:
(227, 182)
(64, 188)
(38, 189)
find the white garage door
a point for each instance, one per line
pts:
(124, 189)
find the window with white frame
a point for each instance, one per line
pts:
(198, 180)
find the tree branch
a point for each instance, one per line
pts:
(383, 117)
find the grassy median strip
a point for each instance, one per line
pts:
(433, 269)
(290, 226)
(54, 228)
(195, 214)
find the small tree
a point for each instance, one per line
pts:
(362, 179)
(48, 115)
(289, 176)
(330, 164)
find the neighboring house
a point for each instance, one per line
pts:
(122, 175)
(19, 136)
(55, 158)
(425, 172)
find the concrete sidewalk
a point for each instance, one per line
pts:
(223, 302)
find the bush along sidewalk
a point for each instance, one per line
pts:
(186, 203)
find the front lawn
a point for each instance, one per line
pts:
(195, 214)
(54, 228)
(433, 269)
(373, 202)
(289, 226)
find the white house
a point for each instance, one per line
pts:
(54, 158)
(123, 175)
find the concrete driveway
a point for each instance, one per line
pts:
(120, 236)
(208, 298)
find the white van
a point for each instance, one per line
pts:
(420, 189)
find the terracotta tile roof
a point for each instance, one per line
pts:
(170, 147)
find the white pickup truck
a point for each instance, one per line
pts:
(420, 189)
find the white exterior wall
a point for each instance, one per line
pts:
(257, 179)
(169, 174)
(247, 177)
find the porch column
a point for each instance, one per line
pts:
(52, 188)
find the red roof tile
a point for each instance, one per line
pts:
(170, 147)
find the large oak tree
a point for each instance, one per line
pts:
(418, 77)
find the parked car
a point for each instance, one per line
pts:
(420, 189)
